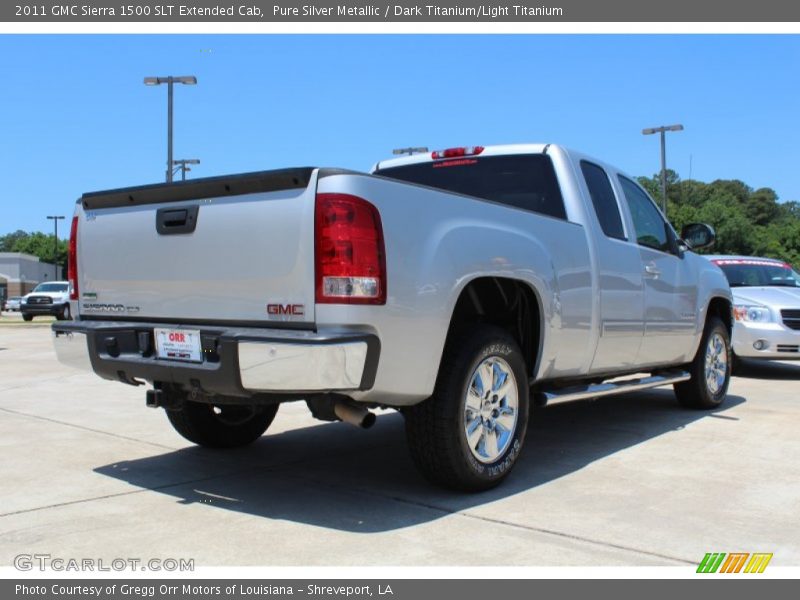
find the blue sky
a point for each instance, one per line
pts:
(75, 116)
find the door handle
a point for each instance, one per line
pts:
(176, 220)
(652, 269)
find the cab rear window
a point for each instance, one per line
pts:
(523, 181)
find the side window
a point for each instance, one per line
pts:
(651, 230)
(603, 199)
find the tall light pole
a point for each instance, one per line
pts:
(184, 79)
(182, 165)
(662, 130)
(55, 218)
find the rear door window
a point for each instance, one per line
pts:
(526, 181)
(603, 199)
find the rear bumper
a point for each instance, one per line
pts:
(236, 361)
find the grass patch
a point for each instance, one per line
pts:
(16, 321)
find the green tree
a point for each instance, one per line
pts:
(762, 207)
(8, 241)
(747, 221)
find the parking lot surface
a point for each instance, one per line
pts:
(89, 471)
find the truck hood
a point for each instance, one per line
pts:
(774, 296)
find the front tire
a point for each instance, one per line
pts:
(26, 317)
(225, 426)
(65, 314)
(469, 434)
(710, 369)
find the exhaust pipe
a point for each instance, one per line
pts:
(355, 415)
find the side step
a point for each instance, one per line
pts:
(598, 390)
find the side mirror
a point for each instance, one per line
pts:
(698, 235)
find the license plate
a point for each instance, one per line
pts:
(179, 344)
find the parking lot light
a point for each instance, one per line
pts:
(662, 130)
(170, 81)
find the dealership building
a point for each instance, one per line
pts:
(20, 273)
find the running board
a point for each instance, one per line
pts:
(598, 390)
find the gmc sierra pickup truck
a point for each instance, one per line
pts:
(460, 287)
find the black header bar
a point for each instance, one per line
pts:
(434, 11)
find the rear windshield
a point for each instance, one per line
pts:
(741, 273)
(523, 181)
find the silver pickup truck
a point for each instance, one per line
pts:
(460, 287)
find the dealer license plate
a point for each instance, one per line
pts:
(179, 344)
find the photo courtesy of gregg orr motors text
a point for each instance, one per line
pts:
(187, 589)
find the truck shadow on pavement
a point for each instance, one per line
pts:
(335, 476)
(764, 369)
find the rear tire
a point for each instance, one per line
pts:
(225, 426)
(710, 369)
(466, 436)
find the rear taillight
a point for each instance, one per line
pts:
(457, 152)
(349, 251)
(72, 260)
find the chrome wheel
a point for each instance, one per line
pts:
(716, 365)
(490, 409)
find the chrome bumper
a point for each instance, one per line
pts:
(249, 360)
(289, 367)
(72, 349)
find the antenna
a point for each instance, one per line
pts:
(410, 151)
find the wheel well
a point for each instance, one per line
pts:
(507, 303)
(721, 308)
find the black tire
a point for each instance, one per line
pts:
(27, 317)
(697, 392)
(436, 428)
(65, 314)
(226, 426)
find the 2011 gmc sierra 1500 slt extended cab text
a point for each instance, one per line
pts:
(460, 287)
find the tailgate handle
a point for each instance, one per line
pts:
(176, 220)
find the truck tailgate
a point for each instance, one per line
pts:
(236, 248)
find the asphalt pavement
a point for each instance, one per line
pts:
(88, 471)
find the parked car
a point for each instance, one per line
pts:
(766, 306)
(458, 287)
(49, 298)
(13, 303)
